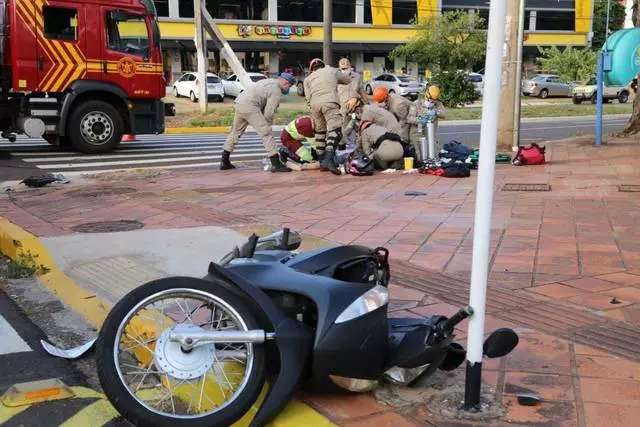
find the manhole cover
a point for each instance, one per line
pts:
(627, 188)
(108, 226)
(102, 192)
(526, 187)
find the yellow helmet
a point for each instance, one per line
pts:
(344, 64)
(433, 92)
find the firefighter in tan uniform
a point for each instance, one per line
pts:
(256, 106)
(383, 146)
(381, 117)
(352, 97)
(397, 105)
(321, 93)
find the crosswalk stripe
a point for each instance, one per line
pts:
(10, 340)
(148, 152)
(129, 156)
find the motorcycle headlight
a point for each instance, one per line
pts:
(371, 300)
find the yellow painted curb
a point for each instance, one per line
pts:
(211, 129)
(16, 243)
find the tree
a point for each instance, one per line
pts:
(633, 126)
(570, 64)
(616, 20)
(446, 45)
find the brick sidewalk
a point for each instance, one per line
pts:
(559, 259)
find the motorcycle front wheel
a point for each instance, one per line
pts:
(152, 381)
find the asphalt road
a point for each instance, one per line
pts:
(31, 157)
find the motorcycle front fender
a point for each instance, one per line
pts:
(294, 341)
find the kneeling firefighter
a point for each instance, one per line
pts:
(256, 106)
(321, 93)
(384, 146)
(298, 142)
(397, 105)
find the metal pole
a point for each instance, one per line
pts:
(599, 90)
(327, 43)
(508, 89)
(606, 32)
(484, 201)
(201, 54)
(518, 94)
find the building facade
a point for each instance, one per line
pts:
(273, 35)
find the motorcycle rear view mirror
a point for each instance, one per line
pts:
(500, 343)
(284, 240)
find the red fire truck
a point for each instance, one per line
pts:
(82, 72)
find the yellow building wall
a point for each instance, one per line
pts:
(427, 9)
(584, 15)
(382, 12)
(185, 31)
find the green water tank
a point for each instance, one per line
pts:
(624, 49)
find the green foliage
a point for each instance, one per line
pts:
(455, 87)
(570, 64)
(26, 265)
(616, 20)
(452, 41)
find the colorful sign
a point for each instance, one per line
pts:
(279, 31)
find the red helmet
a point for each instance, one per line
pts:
(315, 64)
(304, 125)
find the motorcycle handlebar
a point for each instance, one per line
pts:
(450, 323)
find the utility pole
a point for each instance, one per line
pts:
(508, 90)
(517, 98)
(484, 202)
(201, 54)
(327, 43)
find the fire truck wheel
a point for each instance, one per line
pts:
(95, 127)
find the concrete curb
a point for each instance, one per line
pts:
(17, 243)
(278, 128)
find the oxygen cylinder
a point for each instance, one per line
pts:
(424, 149)
(431, 138)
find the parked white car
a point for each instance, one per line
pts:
(188, 85)
(233, 87)
(478, 82)
(587, 92)
(400, 84)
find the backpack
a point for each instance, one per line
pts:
(530, 155)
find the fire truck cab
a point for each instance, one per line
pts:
(81, 73)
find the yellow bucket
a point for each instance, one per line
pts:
(408, 163)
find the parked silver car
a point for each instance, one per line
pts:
(546, 85)
(400, 84)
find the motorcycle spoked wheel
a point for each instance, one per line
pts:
(152, 382)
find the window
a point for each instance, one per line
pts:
(162, 7)
(404, 79)
(213, 79)
(367, 14)
(185, 8)
(232, 78)
(127, 33)
(238, 9)
(555, 20)
(300, 10)
(404, 11)
(60, 23)
(191, 78)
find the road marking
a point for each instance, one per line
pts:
(10, 341)
(128, 156)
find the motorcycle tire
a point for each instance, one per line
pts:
(123, 399)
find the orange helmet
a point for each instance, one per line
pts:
(380, 94)
(315, 64)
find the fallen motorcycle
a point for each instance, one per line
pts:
(266, 320)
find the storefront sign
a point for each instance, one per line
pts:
(279, 31)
